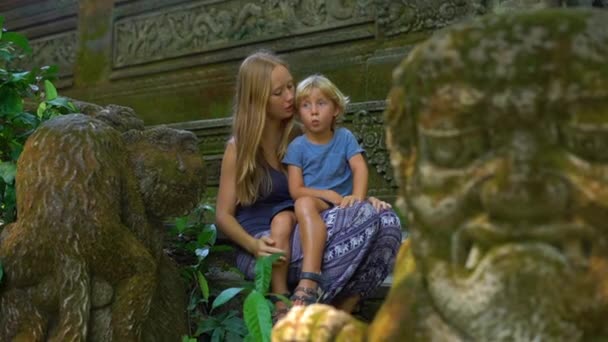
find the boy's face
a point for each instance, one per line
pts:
(318, 112)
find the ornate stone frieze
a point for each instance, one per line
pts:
(196, 28)
(368, 127)
(59, 50)
(405, 16)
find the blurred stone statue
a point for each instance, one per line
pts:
(498, 130)
(84, 259)
(500, 6)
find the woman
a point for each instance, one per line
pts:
(362, 240)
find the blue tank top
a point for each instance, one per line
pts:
(256, 218)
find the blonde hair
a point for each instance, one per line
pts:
(326, 87)
(253, 89)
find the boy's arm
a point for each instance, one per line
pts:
(297, 188)
(360, 176)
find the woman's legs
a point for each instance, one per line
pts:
(347, 304)
(377, 265)
(313, 234)
(281, 227)
(359, 250)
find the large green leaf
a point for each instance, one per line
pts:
(9, 202)
(202, 283)
(16, 148)
(8, 170)
(10, 101)
(257, 316)
(218, 335)
(263, 272)
(235, 325)
(225, 296)
(20, 76)
(17, 39)
(50, 90)
(181, 224)
(206, 326)
(206, 237)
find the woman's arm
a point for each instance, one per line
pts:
(226, 208)
(297, 188)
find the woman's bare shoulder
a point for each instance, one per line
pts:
(230, 150)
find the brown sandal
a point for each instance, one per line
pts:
(278, 314)
(308, 295)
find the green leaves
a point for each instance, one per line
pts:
(202, 282)
(10, 101)
(51, 91)
(17, 39)
(195, 236)
(1, 273)
(225, 296)
(223, 327)
(18, 87)
(256, 312)
(8, 169)
(263, 271)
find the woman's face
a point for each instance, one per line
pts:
(281, 102)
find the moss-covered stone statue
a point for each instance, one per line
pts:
(84, 260)
(498, 130)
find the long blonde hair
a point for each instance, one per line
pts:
(253, 90)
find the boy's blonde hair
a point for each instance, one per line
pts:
(326, 87)
(253, 89)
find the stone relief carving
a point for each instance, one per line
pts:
(368, 127)
(404, 16)
(204, 27)
(59, 50)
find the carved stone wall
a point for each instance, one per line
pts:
(364, 119)
(175, 61)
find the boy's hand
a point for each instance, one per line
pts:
(349, 200)
(333, 197)
(378, 204)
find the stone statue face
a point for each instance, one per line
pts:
(169, 168)
(499, 131)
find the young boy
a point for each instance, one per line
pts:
(325, 168)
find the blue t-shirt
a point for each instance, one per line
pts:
(325, 167)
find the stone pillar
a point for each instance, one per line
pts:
(94, 57)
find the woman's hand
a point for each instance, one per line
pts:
(349, 200)
(264, 247)
(379, 204)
